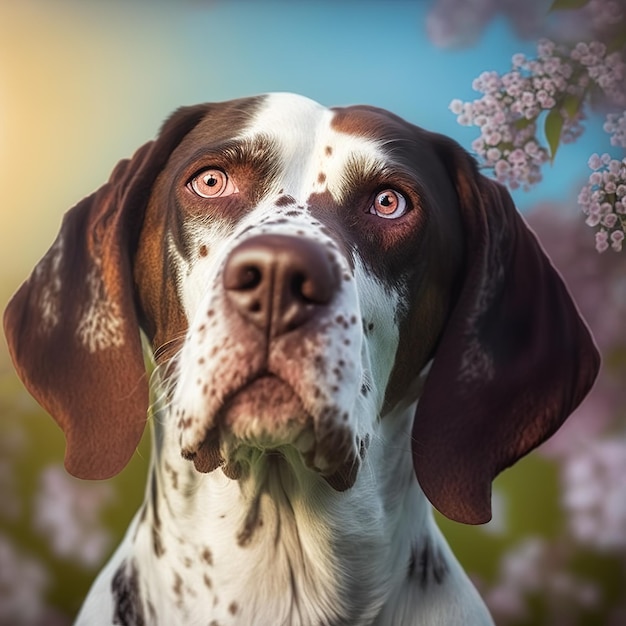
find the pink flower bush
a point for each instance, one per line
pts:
(460, 22)
(552, 89)
(603, 201)
(535, 566)
(595, 494)
(23, 582)
(68, 511)
(615, 126)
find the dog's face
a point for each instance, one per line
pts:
(289, 244)
(295, 268)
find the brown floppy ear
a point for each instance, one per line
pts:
(514, 360)
(72, 327)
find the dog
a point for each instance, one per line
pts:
(345, 324)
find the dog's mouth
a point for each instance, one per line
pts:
(265, 418)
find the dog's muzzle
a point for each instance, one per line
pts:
(279, 285)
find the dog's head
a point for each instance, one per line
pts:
(295, 268)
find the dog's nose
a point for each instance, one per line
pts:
(278, 282)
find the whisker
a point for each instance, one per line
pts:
(172, 344)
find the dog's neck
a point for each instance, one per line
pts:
(280, 545)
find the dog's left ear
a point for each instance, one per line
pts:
(514, 360)
(72, 327)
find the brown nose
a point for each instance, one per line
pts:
(279, 282)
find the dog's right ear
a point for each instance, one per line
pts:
(72, 327)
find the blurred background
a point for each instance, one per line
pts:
(83, 83)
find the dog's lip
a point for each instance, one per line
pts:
(209, 455)
(268, 390)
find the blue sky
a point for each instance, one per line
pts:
(83, 83)
(364, 52)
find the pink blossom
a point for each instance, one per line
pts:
(602, 201)
(602, 243)
(541, 84)
(617, 238)
(531, 86)
(456, 106)
(531, 567)
(24, 581)
(595, 493)
(67, 511)
(460, 22)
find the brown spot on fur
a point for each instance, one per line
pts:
(328, 150)
(321, 178)
(285, 200)
(233, 608)
(128, 609)
(203, 250)
(207, 556)
(177, 588)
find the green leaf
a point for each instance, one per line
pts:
(567, 5)
(523, 122)
(552, 129)
(572, 105)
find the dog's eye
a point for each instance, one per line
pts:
(212, 183)
(389, 204)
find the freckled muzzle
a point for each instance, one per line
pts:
(281, 286)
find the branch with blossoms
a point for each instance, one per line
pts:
(552, 92)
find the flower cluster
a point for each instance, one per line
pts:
(460, 22)
(508, 112)
(615, 126)
(603, 16)
(603, 200)
(606, 70)
(68, 512)
(595, 494)
(553, 88)
(534, 566)
(23, 583)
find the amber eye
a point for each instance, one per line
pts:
(212, 183)
(389, 204)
